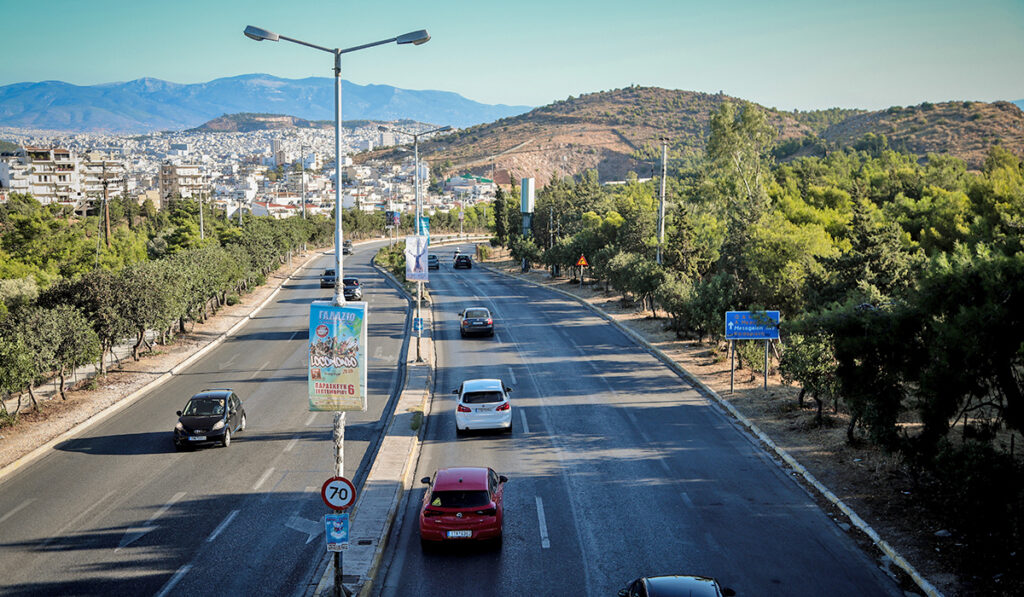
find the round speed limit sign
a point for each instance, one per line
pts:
(338, 493)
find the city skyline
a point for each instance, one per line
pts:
(794, 55)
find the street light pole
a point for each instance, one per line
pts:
(415, 38)
(416, 227)
(661, 203)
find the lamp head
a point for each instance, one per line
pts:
(443, 129)
(415, 37)
(260, 34)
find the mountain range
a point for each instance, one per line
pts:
(147, 104)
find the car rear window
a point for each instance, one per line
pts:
(328, 272)
(352, 281)
(482, 397)
(477, 313)
(459, 499)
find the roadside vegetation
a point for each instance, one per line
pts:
(900, 282)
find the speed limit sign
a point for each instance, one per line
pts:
(338, 493)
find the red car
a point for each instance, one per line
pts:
(462, 504)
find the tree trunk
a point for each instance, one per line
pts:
(32, 396)
(821, 404)
(849, 430)
(800, 398)
(1014, 399)
(63, 395)
(139, 338)
(103, 358)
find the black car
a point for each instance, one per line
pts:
(211, 416)
(476, 320)
(463, 261)
(673, 586)
(353, 291)
(433, 262)
(328, 279)
(346, 247)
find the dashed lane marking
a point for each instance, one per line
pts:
(545, 543)
(174, 580)
(223, 525)
(263, 479)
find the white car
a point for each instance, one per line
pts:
(483, 404)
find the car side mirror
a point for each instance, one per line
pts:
(728, 592)
(508, 390)
(623, 592)
(502, 479)
(425, 480)
(455, 391)
(462, 313)
(179, 413)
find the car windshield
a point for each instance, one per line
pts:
(204, 407)
(328, 272)
(482, 397)
(351, 281)
(477, 314)
(459, 499)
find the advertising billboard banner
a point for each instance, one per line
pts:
(337, 356)
(416, 258)
(528, 193)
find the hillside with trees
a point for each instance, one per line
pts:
(617, 132)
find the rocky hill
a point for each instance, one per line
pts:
(614, 132)
(963, 129)
(247, 121)
(618, 131)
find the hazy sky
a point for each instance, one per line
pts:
(787, 54)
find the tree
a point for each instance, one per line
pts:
(501, 216)
(77, 343)
(809, 359)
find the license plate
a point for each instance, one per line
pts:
(460, 534)
(483, 410)
(197, 438)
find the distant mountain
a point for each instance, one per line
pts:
(618, 131)
(152, 104)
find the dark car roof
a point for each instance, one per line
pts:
(681, 586)
(329, 272)
(471, 478)
(212, 394)
(350, 280)
(462, 258)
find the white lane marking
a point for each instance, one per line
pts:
(687, 500)
(174, 580)
(15, 511)
(165, 507)
(311, 528)
(526, 426)
(60, 532)
(222, 526)
(291, 444)
(544, 542)
(259, 370)
(512, 376)
(296, 334)
(263, 479)
(309, 421)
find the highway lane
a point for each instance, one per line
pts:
(116, 511)
(617, 467)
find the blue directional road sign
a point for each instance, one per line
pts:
(337, 531)
(417, 324)
(752, 325)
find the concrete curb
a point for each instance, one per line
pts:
(132, 397)
(855, 519)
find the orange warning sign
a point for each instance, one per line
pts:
(582, 261)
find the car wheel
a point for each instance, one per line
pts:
(227, 438)
(497, 542)
(241, 426)
(462, 333)
(178, 447)
(491, 334)
(459, 431)
(426, 546)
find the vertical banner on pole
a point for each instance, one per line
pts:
(416, 258)
(423, 229)
(337, 356)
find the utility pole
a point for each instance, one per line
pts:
(202, 228)
(106, 205)
(661, 203)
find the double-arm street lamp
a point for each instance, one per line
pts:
(419, 212)
(415, 38)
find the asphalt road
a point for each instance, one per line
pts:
(617, 467)
(116, 511)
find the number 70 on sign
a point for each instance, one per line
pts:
(338, 493)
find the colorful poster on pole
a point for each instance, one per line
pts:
(337, 356)
(424, 228)
(416, 258)
(336, 531)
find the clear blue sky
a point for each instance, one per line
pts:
(787, 54)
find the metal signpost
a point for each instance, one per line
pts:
(581, 263)
(338, 493)
(750, 325)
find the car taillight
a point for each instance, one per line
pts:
(488, 511)
(465, 322)
(429, 513)
(504, 406)
(464, 409)
(490, 321)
